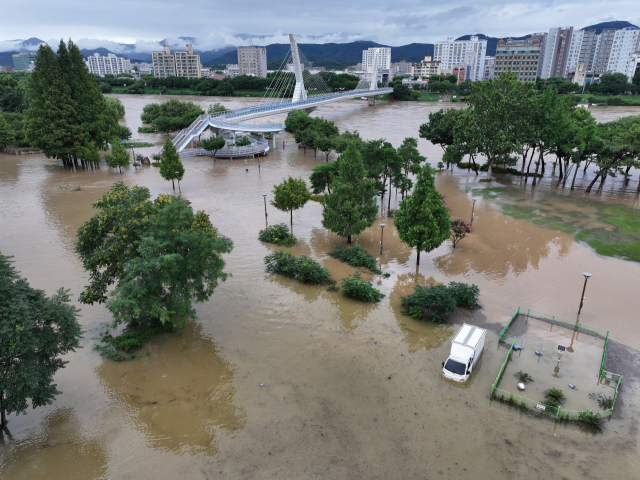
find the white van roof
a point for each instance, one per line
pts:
(469, 335)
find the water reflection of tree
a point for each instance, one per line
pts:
(59, 445)
(350, 311)
(310, 293)
(510, 250)
(180, 391)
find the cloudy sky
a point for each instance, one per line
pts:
(216, 24)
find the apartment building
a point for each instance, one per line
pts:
(232, 70)
(426, 68)
(179, 64)
(555, 52)
(467, 54)
(603, 50)
(23, 60)
(252, 60)
(107, 64)
(622, 58)
(521, 57)
(489, 65)
(380, 55)
(402, 67)
(582, 50)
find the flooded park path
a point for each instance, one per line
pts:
(282, 380)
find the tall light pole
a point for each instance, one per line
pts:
(473, 207)
(178, 178)
(586, 277)
(264, 195)
(382, 225)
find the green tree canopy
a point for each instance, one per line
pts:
(119, 157)
(290, 195)
(352, 206)
(6, 133)
(422, 220)
(297, 120)
(170, 116)
(214, 144)
(161, 255)
(35, 331)
(171, 167)
(322, 177)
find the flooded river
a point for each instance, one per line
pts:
(282, 380)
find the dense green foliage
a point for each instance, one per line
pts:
(439, 300)
(360, 289)
(6, 133)
(214, 144)
(356, 256)
(68, 118)
(303, 269)
(170, 116)
(554, 397)
(161, 255)
(171, 167)
(35, 331)
(119, 157)
(277, 234)
(422, 221)
(351, 207)
(322, 177)
(290, 195)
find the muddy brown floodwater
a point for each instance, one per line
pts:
(282, 380)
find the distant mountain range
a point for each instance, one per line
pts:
(334, 55)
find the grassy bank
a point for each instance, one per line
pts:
(619, 235)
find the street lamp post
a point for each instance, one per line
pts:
(264, 195)
(178, 178)
(382, 225)
(586, 277)
(473, 207)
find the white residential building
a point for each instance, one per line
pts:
(380, 55)
(622, 57)
(456, 54)
(232, 70)
(110, 64)
(181, 64)
(252, 60)
(144, 68)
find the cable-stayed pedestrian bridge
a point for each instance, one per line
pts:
(293, 87)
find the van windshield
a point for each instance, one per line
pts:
(455, 367)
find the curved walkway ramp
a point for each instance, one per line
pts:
(230, 120)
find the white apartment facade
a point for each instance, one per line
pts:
(622, 58)
(252, 60)
(380, 55)
(180, 64)
(468, 54)
(109, 64)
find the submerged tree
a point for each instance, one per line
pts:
(352, 206)
(422, 220)
(290, 195)
(6, 133)
(35, 331)
(161, 255)
(171, 167)
(119, 157)
(214, 144)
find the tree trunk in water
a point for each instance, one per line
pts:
(574, 176)
(3, 413)
(327, 159)
(489, 170)
(291, 220)
(588, 190)
(586, 164)
(560, 173)
(418, 261)
(524, 159)
(543, 165)
(602, 179)
(626, 174)
(389, 204)
(535, 174)
(174, 184)
(526, 178)
(475, 166)
(349, 239)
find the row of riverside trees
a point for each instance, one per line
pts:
(510, 122)
(68, 118)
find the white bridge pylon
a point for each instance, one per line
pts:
(300, 100)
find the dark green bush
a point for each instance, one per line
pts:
(590, 419)
(278, 234)
(303, 269)
(116, 348)
(465, 295)
(438, 301)
(554, 397)
(146, 130)
(433, 302)
(360, 289)
(356, 256)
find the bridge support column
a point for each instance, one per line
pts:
(274, 139)
(372, 101)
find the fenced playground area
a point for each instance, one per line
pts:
(556, 354)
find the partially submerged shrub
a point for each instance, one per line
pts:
(590, 419)
(356, 256)
(303, 269)
(123, 346)
(278, 234)
(524, 377)
(465, 295)
(432, 302)
(360, 289)
(554, 397)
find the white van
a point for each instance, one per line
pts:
(466, 348)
